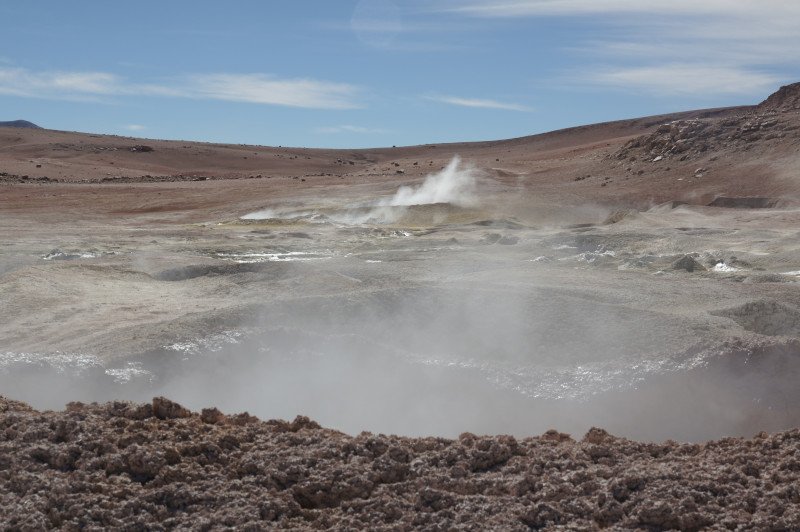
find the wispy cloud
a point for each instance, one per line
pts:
(250, 88)
(400, 27)
(134, 127)
(348, 129)
(685, 79)
(377, 22)
(22, 82)
(479, 103)
(259, 88)
(516, 8)
(675, 47)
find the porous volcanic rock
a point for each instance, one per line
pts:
(117, 465)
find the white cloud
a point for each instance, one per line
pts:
(686, 79)
(134, 127)
(88, 82)
(22, 82)
(517, 8)
(258, 88)
(677, 47)
(479, 103)
(250, 88)
(348, 129)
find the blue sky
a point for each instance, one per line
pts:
(325, 73)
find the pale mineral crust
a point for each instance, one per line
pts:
(158, 466)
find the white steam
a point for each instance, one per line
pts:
(454, 184)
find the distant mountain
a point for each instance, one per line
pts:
(19, 123)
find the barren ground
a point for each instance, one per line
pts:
(640, 275)
(157, 466)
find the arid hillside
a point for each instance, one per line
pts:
(692, 157)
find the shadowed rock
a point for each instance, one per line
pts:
(689, 264)
(163, 408)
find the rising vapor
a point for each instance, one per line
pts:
(454, 184)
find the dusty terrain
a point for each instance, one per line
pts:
(640, 275)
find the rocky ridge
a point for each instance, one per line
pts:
(157, 466)
(773, 119)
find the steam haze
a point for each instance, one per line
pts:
(455, 185)
(474, 326)
(450, 257)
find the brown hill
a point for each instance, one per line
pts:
(19, 124)
(692, 157)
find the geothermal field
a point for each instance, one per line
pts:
(641, 276)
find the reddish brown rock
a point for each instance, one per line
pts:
(163, 408)
(112, 466)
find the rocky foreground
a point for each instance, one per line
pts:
(156, 466)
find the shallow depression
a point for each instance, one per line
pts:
(440, 362)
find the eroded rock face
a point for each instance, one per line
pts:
(772, 119)
(689, 139)
(787, 98)
(149, 466)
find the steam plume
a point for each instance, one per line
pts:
(455, 184)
